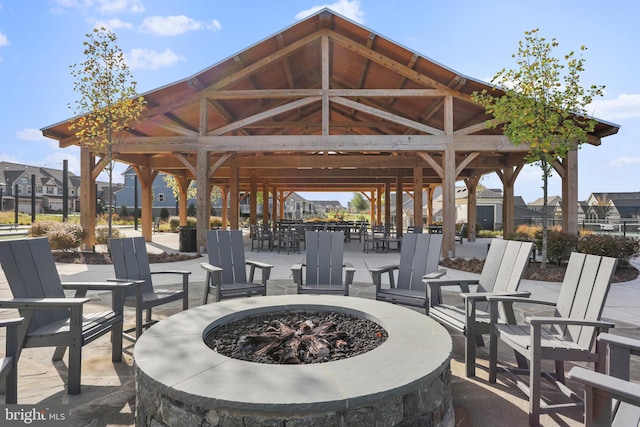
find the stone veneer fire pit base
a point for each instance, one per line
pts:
(405, 381)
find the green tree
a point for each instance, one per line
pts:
(543, 106)
(192, 191)
(359, 203)
(109, 104)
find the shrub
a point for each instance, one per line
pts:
(559, 245)
(40, 228)
(174, 223)
(164, 214)
(65, 236)
(102, 234)
(124, 212)
(623, 248)
(191, 210)
(215, 222)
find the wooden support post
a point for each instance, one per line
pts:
(234, 193)
(449, 204)
(203, 197)
(417, 197)
(253, 200)
(88, 197)
(472, 207)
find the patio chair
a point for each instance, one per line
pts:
(323, 271)
(226, 271)
(9, 363)
(260, 234)
(50, 319)
(611, 400)
(568, 335)
(419, 256)
(131, 263)
(501, 273)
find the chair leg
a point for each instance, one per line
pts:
(493, 357)
(535, 376)
(207, 280)
(11, 384)
(138, 322)
(116, 342)
(75, 368)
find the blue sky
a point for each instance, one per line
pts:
(168, 40)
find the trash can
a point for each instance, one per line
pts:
(187, 239)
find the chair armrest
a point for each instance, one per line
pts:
(614, 387)
(383, 269)
(483, 296)
(264, 268)
(620, 341)
(98, 286)
(376, 275)
(435, 285)
(349, 270)
(258, 264)
(41, 303)
(11, 322)
(508, 298)
(183, 272)
(210, 268)
(549, 320)
(296, 271)
(434, 274)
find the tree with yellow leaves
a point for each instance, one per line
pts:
(109, 105)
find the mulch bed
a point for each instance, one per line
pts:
(551, 273)
(103, 257)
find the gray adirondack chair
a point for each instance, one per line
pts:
(419, 256)
(9, 363)
(131, 263)
(568, 335)
(226, 271)
(611, 400)
(501, 274)
(323, 271)
(51, 320)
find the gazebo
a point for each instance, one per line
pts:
(323, 105)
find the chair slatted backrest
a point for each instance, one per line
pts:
(324, 257)
(583, 294)
(30, 270)
(131, 262)
(419, 255)
(226, 251)
(503, 268)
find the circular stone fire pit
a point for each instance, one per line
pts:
(180, 381)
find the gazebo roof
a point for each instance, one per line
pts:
(325, 104)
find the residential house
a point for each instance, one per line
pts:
(48, 188)
(612, 207)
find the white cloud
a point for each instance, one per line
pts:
(625, 161)
(169, 25)
(116, 6)
(625, 106)
(34, 135)
(4, 41)
(215, 25)
(113, 24)
(152, 60)
(351, 9)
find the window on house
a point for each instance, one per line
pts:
(28, 190)
(161, 197)
(50, 190)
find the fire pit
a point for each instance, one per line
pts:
(180, 381)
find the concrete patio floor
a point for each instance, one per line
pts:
(108, 390)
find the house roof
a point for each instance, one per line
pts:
(325, 104)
